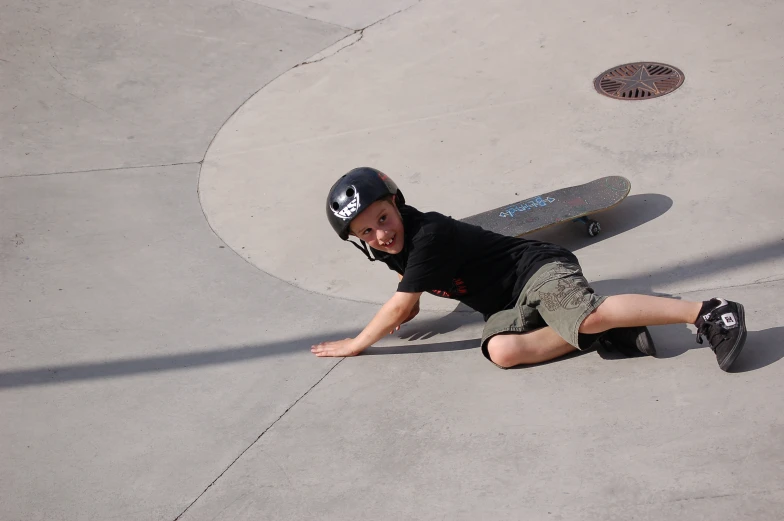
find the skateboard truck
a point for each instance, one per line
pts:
(593, 226)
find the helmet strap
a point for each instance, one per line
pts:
(364, 249)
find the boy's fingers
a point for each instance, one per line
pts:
(319, 349)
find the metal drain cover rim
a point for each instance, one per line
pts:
(640, 80)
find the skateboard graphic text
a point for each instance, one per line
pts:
(572, 203)
(537, 202)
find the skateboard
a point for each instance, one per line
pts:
(574, 203)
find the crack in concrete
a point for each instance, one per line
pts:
(310, 61)
(84, 100)
(361, 35)
(719, 496)
(271, 425)
(61, 74)
(101, 170)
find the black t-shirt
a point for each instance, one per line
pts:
(449, 258)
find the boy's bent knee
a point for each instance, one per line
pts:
(505, 351)
(501, 359)
(594, 322)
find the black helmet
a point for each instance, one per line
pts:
(354, 192)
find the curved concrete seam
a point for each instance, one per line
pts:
(309, 60)
(338, 48)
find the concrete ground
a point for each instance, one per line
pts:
(165, 263)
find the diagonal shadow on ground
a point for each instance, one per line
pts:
(768, 341)
(155, 364)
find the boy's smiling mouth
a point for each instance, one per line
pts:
(390, 242)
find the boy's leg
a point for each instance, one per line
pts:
(618, 311)
(721, 322)
(559, 294)
(523, 335)
(639, 310)
(533, 347)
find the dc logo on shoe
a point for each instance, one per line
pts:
(729, 320)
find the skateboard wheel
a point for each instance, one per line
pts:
(594, 228)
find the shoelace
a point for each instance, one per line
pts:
(704, 330)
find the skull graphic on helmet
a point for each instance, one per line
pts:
(347, 205)
(344, 202)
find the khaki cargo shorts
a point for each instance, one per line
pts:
(557, 295)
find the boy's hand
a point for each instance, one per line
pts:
(401, 307)
(343, 347)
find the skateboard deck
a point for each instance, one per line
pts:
(574, 203)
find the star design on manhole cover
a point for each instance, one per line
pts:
(639, 80)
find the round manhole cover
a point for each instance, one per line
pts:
(637, 81)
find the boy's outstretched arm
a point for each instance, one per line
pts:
(396, 311)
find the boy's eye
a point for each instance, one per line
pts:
(382, 219)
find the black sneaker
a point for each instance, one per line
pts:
(723, 324)
(630, 341)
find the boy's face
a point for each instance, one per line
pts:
(380, 226)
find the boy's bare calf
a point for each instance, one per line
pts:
(639, 310)
(616, 311)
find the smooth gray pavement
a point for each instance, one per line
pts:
(165, 263)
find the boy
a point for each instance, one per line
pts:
(536, 303)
